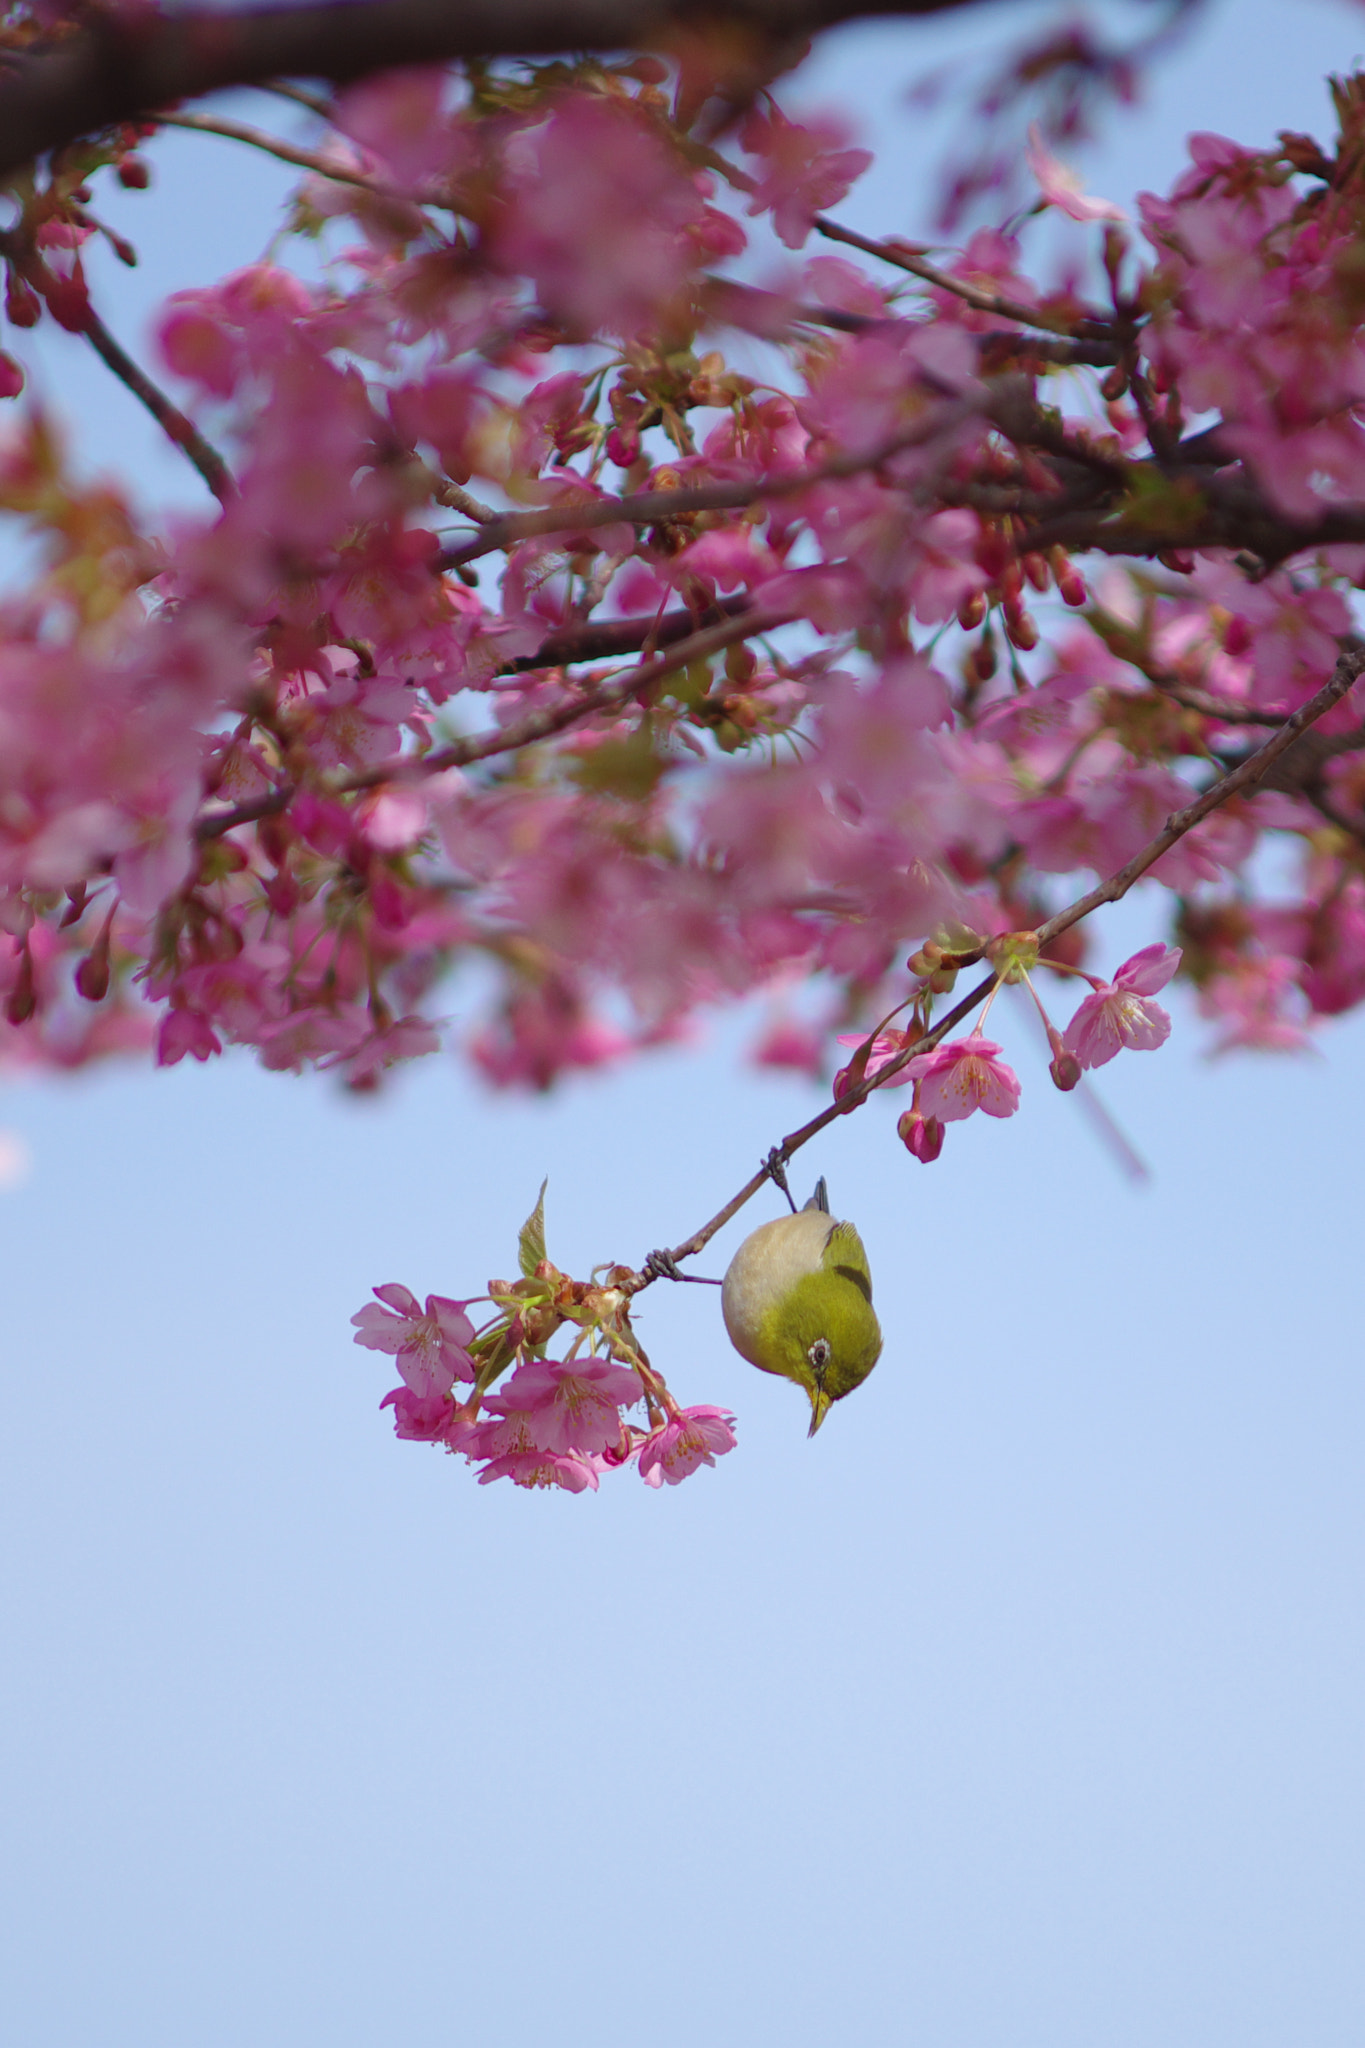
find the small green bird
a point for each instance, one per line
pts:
(797, 1300)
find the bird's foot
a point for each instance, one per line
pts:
(663, 1266)
(775, 1166)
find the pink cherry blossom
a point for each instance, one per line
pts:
(429, 1343)
(964, 1075)
(805, 170)
(568, 1405)
(1118, 1014)
(694, 1437)
(1061, 187)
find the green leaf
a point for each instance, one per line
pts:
(531, 1242)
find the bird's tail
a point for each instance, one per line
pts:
(820, 1199)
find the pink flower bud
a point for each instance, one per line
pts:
(11, 377)
(1065, 1070)
(922, 1136)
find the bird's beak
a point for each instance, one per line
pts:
(819, 1409)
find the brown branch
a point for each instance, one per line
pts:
(1242, 778)
(607, 639)
(180, 430)
(125, 66)
(289, 153)
(651, 508)
(906, 258)
(536, 725)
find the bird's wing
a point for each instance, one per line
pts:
(844, 1254)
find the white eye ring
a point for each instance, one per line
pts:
(820, 1353)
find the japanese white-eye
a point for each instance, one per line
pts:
(797, 1300)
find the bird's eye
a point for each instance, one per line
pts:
(820, 1353)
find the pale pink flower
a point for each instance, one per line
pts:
(427, 1418)
(1061, 187)
(1118, 1014)
(541, 1468)
(962, 1076)
(805, 170)
(694, 1437)
(568, 1404)
(507, 1442)
(428, 1343)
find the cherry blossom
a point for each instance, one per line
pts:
(964, 1075)
(586, 624)
(692, 1438)
(1119, 1014)
(428, 1342)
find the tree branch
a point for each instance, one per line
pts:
(124, 66)
(650, 508)
(536, 725)
(182, 431)
(1244, 777)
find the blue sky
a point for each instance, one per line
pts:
(1021, 1706)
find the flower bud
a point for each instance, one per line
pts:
(1022, 629)
(922, 1136)
(971, 611)
(23, 997)
(23, 307)
(1065, 1070)
(92, 976)
(984, 659)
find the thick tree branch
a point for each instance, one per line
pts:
(126, 66)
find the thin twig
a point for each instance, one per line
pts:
(1347, 671)
(271, 145)
(182, 431)
(1244, 777)
(905, 258)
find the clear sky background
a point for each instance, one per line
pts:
(1022, 1706)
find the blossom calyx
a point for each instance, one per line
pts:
(1013, 955)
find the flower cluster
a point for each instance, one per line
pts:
(550, 1421)
(958, 1076)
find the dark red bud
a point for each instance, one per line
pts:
(23, 997)
(23, 307)
(134, 172)
(1065, 1071)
